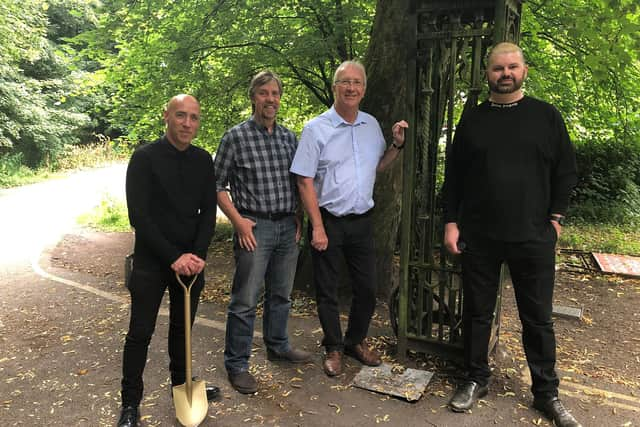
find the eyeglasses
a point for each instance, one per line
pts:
(346, 83)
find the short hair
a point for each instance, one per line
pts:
(505, 47)
(350, 63)
(262, 78)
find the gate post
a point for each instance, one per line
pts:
(450, 39)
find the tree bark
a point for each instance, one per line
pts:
(386, 99)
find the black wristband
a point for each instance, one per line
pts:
(396, 146)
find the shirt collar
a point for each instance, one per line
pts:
(171, 148)
(337, 120)
(261, 127)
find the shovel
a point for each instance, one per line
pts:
(190, 398)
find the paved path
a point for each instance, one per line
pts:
(61, 336)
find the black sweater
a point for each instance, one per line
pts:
(509, 167)
(171, 199)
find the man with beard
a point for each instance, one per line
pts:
(254, 159)
(509, 174)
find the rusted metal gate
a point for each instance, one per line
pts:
(447, 76)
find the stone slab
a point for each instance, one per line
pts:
(396, 381)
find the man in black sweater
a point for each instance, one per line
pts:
(509, 174)
(171, 200)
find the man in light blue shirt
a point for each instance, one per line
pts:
(337, 158)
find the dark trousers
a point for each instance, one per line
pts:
(147, 289)
(532, 268)
(351, 239)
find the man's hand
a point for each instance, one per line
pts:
(188, 264)
(319, 239)
(246, 239)
(397, 130)
(451, 236)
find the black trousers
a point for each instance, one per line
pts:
(147, 289)
(351, 239)
(532, 268)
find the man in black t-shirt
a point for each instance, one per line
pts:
(509, 174)
(171, 200)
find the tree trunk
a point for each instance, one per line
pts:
(387, 99)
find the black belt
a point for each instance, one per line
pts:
(348, 216)
(275, 216)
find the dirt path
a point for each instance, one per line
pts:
(61, 356)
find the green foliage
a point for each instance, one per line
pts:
(584, 58)
(13, 172)
(609, 182)
(38, 112)
(224, 231)
(110, 215)
(598, 237)
(151, 50)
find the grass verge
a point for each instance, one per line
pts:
(609, 238)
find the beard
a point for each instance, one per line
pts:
(497, 87)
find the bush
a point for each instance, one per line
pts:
(608, 187)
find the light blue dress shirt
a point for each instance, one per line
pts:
(342, 159)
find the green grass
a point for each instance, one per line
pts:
(109, 215)
(608, 238)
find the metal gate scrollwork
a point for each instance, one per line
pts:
(446, 74)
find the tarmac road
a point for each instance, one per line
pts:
(61, 335)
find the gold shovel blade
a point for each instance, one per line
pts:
(190, 413)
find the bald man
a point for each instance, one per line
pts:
(509, 175)
(171, 200)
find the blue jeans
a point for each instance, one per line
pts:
(272, 263)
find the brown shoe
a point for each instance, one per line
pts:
(364, 354)
(332, 363)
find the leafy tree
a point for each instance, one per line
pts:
(37, 114)
(584, 58)
(152, 50)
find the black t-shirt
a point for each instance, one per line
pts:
(509, 167)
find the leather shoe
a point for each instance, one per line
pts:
(213, 392)
(243, 382)
(555, 410)
(364, 354)
(128, 416)
(332, 363)
(466, 395)
(292, 355)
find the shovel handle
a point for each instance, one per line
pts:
(187, 332)
(186, 288)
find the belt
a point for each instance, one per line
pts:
(274, 216)
(347, 216)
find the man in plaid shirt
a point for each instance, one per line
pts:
(253, 160)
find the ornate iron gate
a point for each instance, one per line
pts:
(446, 75)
